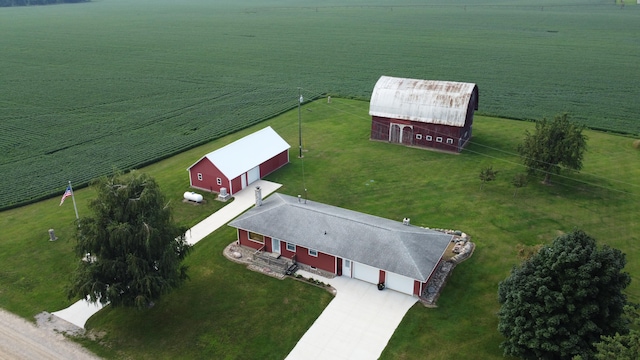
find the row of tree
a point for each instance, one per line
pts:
(6, 3)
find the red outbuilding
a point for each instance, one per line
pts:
(240, 163)
(423, 113)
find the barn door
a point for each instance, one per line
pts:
(394, 133)
(407, 135)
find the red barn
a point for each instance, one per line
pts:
(240, 163)
(423, 113)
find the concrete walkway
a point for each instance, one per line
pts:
(242, 201)
(82, 310)
(357, 323)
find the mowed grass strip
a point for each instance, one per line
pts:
(90, 86)
(226, 311)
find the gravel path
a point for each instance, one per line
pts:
(20, 339)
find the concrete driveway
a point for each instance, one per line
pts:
(357, 324)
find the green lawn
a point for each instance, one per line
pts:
(124, 83)
(226, 311)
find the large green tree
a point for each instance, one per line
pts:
(555, 145)
(559, 302)
(131, 249)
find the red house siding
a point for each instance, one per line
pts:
(382, 277)
(416, 287)
(322, 261)
(243, 238)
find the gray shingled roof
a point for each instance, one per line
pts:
(407, 250)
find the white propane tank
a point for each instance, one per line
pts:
(191, 196)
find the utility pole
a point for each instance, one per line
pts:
(300, 99)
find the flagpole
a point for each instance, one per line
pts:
(73, 197)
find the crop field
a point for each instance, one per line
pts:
(122, 83)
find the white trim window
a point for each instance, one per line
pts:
(218, 181)
(429, 138)
(199, 176)
(449, 141)
(291, 247)
(439, 139)
(313, 253)
(418, 136)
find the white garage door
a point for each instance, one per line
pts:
(253, 175)
(366, 273)
(399, 283)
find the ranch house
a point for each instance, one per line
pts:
(423, 113)
(240, 163)
(347, 243)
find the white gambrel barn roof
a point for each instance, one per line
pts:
(429, 101)
(245, 154)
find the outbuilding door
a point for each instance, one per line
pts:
(365, 273)
(399, 283)
(253, 175)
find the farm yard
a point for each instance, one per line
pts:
(154, 85)
(114, 83)
(341, 167)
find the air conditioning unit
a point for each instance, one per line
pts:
(223, 195)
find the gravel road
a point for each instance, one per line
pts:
(20, 339)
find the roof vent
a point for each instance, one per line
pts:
(406, 221)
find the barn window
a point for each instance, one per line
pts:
(429, 138)
(439, 139)
(218, 181)
(313, 253)
(199, 176)
(256, 237)
(449, 141)
(419, 136)
(291, 247)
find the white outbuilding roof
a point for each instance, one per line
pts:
(429, 101)
(245, 154)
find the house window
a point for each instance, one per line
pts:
(313, 253)
(218, 181)
(429, 138)
(439, 139)
(291, 247)
(419, 136)
(449, 141)
(256, 237)
(199, 176)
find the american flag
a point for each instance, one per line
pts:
(66, 194)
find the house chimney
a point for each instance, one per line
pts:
(406, 221)
(258, 196)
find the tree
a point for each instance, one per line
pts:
(621, 346)
(487, 174)
(131, 248)
(519, 180)
(563, 299)
(554, 145)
